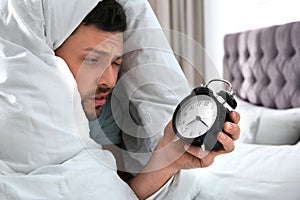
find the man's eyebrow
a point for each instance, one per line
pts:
(102, 52)
(97, 51)
(117, 57)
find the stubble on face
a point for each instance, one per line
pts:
(94, 101)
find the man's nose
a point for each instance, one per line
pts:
(108, 77)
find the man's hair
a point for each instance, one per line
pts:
(108, 15)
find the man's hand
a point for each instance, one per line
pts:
(194, 157)
(184, 156)
(171, 156)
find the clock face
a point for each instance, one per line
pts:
(196, 116)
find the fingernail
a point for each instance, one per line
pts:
(229, 126)
(233, 114)
(223, 136)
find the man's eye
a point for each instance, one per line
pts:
(117, 64)
(90, 60)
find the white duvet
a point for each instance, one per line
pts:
(45, 148)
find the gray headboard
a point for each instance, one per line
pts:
(263, 65)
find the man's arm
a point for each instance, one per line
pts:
(170, 157)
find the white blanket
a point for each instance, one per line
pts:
(45, 149)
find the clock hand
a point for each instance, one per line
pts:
(199, 118)
(191, 122)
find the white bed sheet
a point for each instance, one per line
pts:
(253, 172)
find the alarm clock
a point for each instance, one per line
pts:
(200, 116)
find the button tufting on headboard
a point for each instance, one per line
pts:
(264, 65)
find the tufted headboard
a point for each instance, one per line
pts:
(263, 65)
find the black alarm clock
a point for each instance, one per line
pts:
(200, 116)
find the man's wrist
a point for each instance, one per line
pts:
(150, 180)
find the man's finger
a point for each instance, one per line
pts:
(226, 141)
(232, 129)
(235, 116)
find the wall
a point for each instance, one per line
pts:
(229, 16)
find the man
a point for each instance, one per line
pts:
(93, 49)
(93, 53)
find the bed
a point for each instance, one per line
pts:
(263, 66)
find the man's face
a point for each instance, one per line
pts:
(93, 57)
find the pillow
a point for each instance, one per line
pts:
(151, 83)
(253, 172)
(250, 115)
(279, 127)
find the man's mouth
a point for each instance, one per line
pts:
(99, 101)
